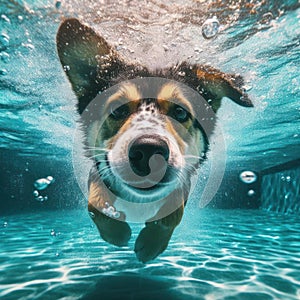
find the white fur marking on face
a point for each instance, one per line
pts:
(148, 121)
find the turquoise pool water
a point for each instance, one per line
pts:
(214, 254)
(52, 250)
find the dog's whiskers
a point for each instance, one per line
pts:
(98, 155)
(95, 148)
(191, 156)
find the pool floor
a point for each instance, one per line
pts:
(213, 254)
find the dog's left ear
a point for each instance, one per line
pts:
(213, 84)
(88, 60)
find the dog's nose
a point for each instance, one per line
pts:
(147, 154)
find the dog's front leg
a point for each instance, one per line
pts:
(155, 237)
(114, 231)
(111, 230)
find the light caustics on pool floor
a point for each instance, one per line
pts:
(213, 255)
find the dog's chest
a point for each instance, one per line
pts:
(138, 212)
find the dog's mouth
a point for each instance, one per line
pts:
(156, 179)
(148, 189)
(146, 171)
(129, 186)
(142, 190)
(153, 181)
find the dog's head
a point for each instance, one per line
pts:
(143, 128)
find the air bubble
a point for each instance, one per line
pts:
(40, 198)
(3, 72)
(91, 214)
(198, 50)
(43, 183)
(20, 18)
(251, 193)
(165, 47)
(248, 177)
(266, 18)
(5, 18)
(51, 179)
(4, 57)
(116, 215)
(247, 88)
(52, 232)
(210, 28)
(66, 68)
(4, 41)
(5, 224)
(110, 211)
(28, 46)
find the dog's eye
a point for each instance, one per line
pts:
(119, 112)
(180, 114)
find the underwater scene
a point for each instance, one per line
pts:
(239, 236)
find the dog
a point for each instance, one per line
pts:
(142, 134)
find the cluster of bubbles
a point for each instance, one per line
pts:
(210, 28)
(5, 42)
(4, 56)
(54, 233)
(248, 177)
(110, 211)
(286, 178)
(42, 184)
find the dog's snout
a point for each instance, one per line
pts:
(144, 149)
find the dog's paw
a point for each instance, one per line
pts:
(152, 241)
(116, 232)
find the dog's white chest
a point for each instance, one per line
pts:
(138, 212)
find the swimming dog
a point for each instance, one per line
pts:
(142, 132)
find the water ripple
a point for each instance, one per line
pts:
(214, 255)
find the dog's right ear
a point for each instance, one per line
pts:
(88, 60)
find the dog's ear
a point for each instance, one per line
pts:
(213, 84)
(87, 59)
